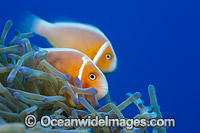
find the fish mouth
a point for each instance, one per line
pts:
(102, 92)
(111, 69)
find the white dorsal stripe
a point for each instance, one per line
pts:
(85, 60)
(100, 52)
(82, 26)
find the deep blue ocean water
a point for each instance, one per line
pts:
(157, 42)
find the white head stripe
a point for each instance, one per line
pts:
(85, 60)
(100, 52)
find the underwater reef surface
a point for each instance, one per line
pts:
(41, 92)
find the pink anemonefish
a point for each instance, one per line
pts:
(82, 37)
(77, 64)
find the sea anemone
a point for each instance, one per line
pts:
(25, 90)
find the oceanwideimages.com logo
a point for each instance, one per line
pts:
(129, 124)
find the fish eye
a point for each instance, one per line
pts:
(108, 56)
(92, 76)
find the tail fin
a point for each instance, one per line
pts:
(36, 24)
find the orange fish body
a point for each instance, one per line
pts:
(82, 37)
(77, 64)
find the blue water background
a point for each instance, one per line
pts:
(156, 42)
